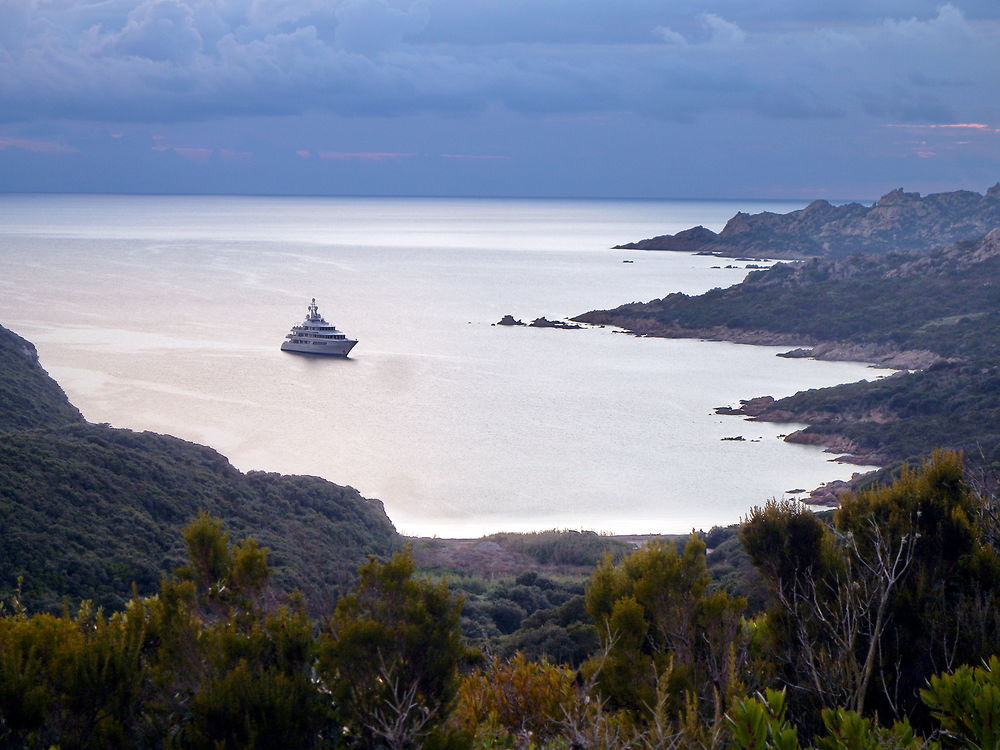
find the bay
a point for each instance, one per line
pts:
(165, 313)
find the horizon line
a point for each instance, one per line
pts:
(441, 196)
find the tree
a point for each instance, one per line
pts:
(967, 704)
(658, 621)
(834, 592)
(390, 653)
(208, 551)
(72, 681)
(224, 574)
(903, 584)
(516, 700)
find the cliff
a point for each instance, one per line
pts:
(29, 398)
(897, 221)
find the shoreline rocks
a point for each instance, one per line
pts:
(828, 495)
(510, 320)
(750, 407)
(546, 323)
(876, 355)
(761, 409)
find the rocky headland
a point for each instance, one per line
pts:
(897, 221)
(934, 316)
(767, 409)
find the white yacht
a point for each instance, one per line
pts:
(315, 336)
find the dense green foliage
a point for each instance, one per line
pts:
(871, 614)
(967, 703)
(201, 664)
(904, 584)
(663, 633)
(541, 613)
(86, 510)
(533, 614)
(390, 653)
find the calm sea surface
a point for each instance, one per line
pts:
(166, 313)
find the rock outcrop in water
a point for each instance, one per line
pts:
(897, 221)
(546, 323)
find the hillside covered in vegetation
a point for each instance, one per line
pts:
(878, 632)
(86, 510)
(939, 311)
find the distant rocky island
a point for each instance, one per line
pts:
(897, 221)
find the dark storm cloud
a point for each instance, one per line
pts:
(188, 60)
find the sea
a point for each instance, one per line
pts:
(166, 313)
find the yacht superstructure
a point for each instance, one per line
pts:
(315, 336)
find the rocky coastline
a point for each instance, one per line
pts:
(510, 320)
(876, 355)
(763, 409)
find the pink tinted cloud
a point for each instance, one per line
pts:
(303, 153)
(232, 155)
(363, 155)
(947, 126)
(473, 156)
(926, 154)
(38, 147)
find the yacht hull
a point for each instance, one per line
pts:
(340, 348)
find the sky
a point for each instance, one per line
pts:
(552, 98)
